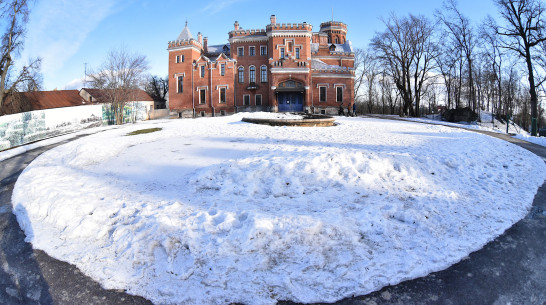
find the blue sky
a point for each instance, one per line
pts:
(68, 33)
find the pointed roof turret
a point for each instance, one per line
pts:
(185, 34)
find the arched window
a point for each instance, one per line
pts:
(252, 74)
(263, 74)
(241, 74)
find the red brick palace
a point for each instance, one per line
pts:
(286, 67)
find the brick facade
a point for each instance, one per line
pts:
(284, 67)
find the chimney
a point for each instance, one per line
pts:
(200, 37)
(206, 44)
(273, 19)
(236, 25)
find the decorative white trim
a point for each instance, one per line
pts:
(201, 88)
(222, 86)
(291, 33)
(240, 48)
(273, 87)
(176, 75)
(323, 85)
(340, 85)
(248, 39)
(289, 70)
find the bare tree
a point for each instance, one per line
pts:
(15, 14)
(157, 87)
(463, 39)
(119, 76)
(407, 49)
(522, 31)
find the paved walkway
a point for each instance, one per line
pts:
(509, 270)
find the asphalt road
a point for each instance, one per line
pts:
(509, 270)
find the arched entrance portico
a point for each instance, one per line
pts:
(290, 96)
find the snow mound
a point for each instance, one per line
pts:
(214, 211)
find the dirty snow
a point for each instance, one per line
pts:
(213, 211)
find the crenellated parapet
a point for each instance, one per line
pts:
(246, 33)
(333, 25)
(177, 44)
(289, 27)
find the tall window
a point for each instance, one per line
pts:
(282, 52)
(322, 94)
(180, 84)
(251, 51)
(337, 40)
(339, 94)
(290, 47)
(240, 51)
(223, 69)
(252, 74)
(202, 96)
(263, 74)
(263, 50)
(297, 53)
(241, 75)
(202, 71)
(246, 100)
(182, 58)
(223, 95)
(258, 99)
(177, 58)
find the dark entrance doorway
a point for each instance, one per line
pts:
(290, 96)
(290, 101)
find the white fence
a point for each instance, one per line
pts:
(22, 128)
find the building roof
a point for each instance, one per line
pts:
(217, 49)
(40, 100)
(100, 96)
(185, 34)
(320, 65)
(346, 47)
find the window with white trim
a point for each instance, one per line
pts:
(180, 84)
(322, 94)
(252, 74)
(241, 74)
(222, 95)
(177, 58)
(282, 53)
(297, 53)
(263, 74)
(339, 94)
(251, 51)
(258, 99)
(202, 71)
(240, 51)
(263, 50)
(202, 96)
(182, 58)
(246, 100)
(223, 69)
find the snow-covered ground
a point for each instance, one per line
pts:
(487, 123)
(6, 154)
(213, 211)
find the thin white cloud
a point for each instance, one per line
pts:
(58, 28)
(219, 5)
